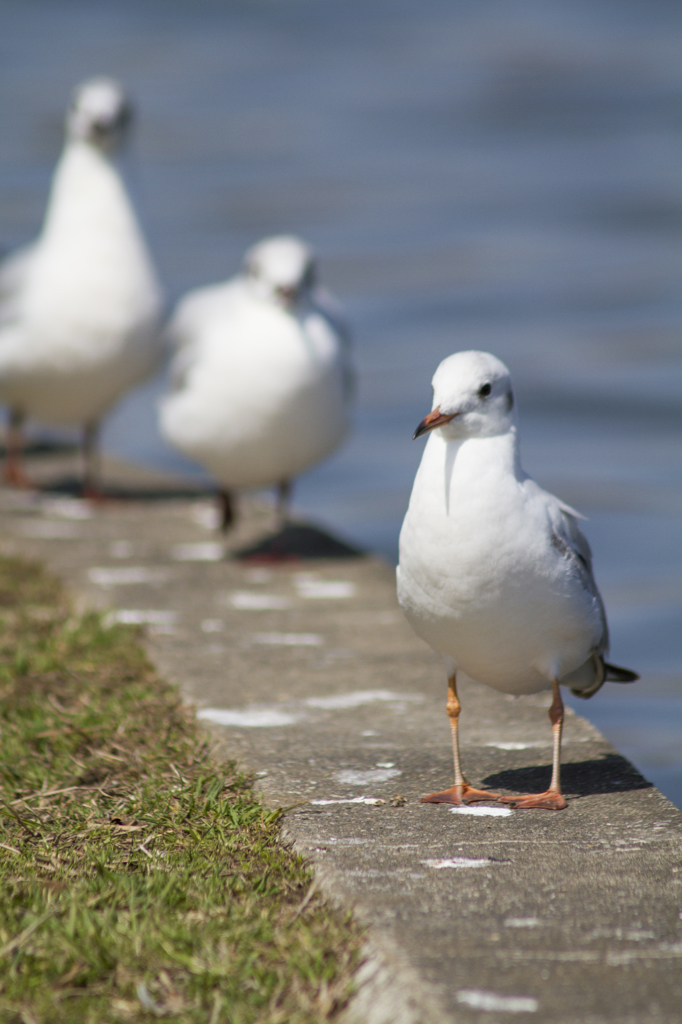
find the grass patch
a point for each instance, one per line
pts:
(138, 877)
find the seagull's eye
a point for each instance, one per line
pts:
(484, 390)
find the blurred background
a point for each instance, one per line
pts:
(499, 174)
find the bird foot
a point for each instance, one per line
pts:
(14, 476)
(459, 795)
(550, 800)
(93, 494)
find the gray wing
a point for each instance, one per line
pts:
(184, 331)
(197, 311)
(180, 366)
(194, 310)
(180, 328)
(572, 543)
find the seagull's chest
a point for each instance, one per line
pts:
(472, 540)
(480, 577)
(96, 274)
(92, 276)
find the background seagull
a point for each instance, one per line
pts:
(80, 307)
(262, 377)
(494, 572)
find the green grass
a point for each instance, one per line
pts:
(139, 878)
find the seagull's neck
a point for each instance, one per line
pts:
(476, 456)
(91, 252)
(87, 192)
(473, 466)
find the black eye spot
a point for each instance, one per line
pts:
(484, 390)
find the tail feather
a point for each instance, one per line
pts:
(602, 672)
(615, 674)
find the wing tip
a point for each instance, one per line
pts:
(616, 674)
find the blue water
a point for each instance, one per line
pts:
(501, 175)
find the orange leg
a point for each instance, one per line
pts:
(551, 799)
(92, 476)
(461, 792)
(14, 469)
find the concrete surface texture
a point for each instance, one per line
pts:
(309, 674)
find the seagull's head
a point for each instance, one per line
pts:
(281, 270)
(100, 113)
(472, 397)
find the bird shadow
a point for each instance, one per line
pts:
(294, 542)
(72, 487)
(610, 773)
(38, 447)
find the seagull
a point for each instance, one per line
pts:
(80, 307)
(495, 573)
(262, 379)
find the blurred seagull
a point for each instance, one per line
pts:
(494, 572)
(262, 376)
(80, 307)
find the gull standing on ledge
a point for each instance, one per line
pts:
(262, 378)
(494, 572)
(80, 308)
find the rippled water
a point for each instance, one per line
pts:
(500, 175)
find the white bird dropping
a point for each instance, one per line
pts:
(494, 572)
(80, 308)
(262, 374)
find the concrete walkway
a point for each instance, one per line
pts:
(310, 675)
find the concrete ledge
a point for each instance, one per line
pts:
(323, 690)
(390, 991)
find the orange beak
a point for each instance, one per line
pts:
(433, 420)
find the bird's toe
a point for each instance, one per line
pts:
(459, 795)
(549, 800)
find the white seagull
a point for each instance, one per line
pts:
(262, 376)
(495, 573)
(80, 308)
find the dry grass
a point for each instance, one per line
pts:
(138, 878)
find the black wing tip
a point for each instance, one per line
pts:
(616, 674)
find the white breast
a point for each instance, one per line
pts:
(480, 578)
